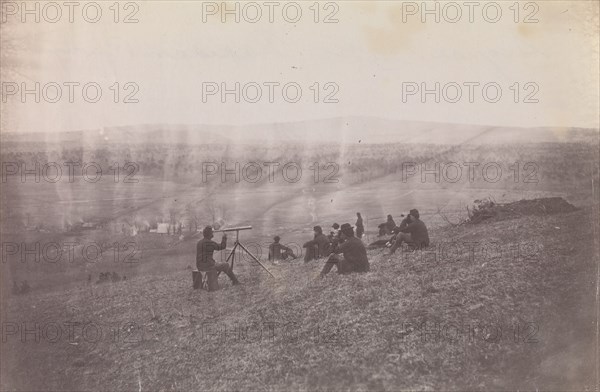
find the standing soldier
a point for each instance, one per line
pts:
(360, 229)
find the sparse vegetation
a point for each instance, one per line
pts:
(532, 271)
(391, 329)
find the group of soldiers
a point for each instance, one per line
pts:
(343, 247)
(412, 231)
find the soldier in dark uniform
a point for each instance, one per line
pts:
(354, 254)
(412, 231)
(360, 229)
(335, 232)
(318, 247)
(278, 251)
(390, 224)
(204, 254)
(334, 236)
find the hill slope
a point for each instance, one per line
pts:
(476, 317)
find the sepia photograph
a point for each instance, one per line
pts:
(303, 195)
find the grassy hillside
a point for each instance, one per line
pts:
(476, 317)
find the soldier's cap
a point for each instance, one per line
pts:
(414, 212)
(318, 229)
(335, 226)
(347, 229)
(207, 230)
(276, 238)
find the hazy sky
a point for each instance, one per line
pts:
(373, 50)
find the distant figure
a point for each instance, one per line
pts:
(334, 235)
(25, 287)
(360, 229)
(414, 232)
(318, 246)
(354, 254)
(383, 231)
(16, 289)
(278, 251)
(387, 227)
(390, 224)
(103, 277)
(336, 230)
(204, 254)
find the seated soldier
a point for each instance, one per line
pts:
(387, 227)
(278, 251)
(204, 254)
(390, 224)
(403, 224)
(395, 231)
(354, 254)
(382, 229)
(414, 233)
(334, 235)
(336, 229)
(318, 247)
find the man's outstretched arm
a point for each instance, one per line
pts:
(223, 244)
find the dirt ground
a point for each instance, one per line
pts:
(517, 310)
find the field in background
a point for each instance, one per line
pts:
(377, 349)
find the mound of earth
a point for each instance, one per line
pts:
(487, 209)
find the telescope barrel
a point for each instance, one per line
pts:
(234, 229)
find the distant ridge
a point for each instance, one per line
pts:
(332, 130)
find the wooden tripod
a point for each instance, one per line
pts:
(232, 254)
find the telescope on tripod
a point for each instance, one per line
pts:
(233, 229)
(238, 243)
